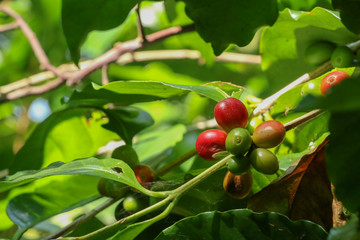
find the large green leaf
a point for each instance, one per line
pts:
(81, 17)
(349, 13)
(283, 45)
(224, 22)
(127, 92)
(342, 157)
(127, 122)
(28, 209)
(110, 168)
(64, 136)
(154, 143)
(242, 224)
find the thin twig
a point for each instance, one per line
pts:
(33, 40)
(121, 48)
(268, 102)
(81, 220)
(104, 75)
(140, 27)
(8, 26)
(303, 119)
(140, 56)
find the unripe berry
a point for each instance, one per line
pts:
(269, 134)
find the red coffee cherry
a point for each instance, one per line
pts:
(333, 78)
(269, 134)
(231, 113)
(210, 142)
(144, 175)
(238, 186)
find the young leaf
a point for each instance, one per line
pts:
(109, 168)
(127, 122)
(81, 17)
(127, 92)
(283, 45)
(302, 192)
(241, 224)
(224, 22)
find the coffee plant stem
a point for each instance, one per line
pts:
(81, 219)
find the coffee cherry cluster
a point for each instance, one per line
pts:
(319, 52)
(232, 116)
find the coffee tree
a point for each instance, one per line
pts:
(179, 119)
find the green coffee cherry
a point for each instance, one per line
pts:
(318, 53)
(238, 165)
(342, 57)
(132, 203)
(264, 161)
(127, 154)
(111, 188)
(238, 141)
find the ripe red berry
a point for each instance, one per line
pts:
(144, 175)
(333, 78)
(269, 134)
(231, 113)
(210, 142)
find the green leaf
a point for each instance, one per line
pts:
(304, 5)
(342, 157)
(28, 209)
(349, 13)
(81, 17)
(350, 231)
(126, 92)
(64, 136)
(153, 143)
(242, 224)
(110, 168)
(283, 45)
(224, 22)
(127, 122)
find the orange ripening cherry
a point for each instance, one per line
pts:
(332, 79)
(144, 174)
(269, 134)
(210, 142)
(238, 186)
(231, 113)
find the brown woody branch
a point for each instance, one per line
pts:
(34, 42)
(9, 26)
(21, 87)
